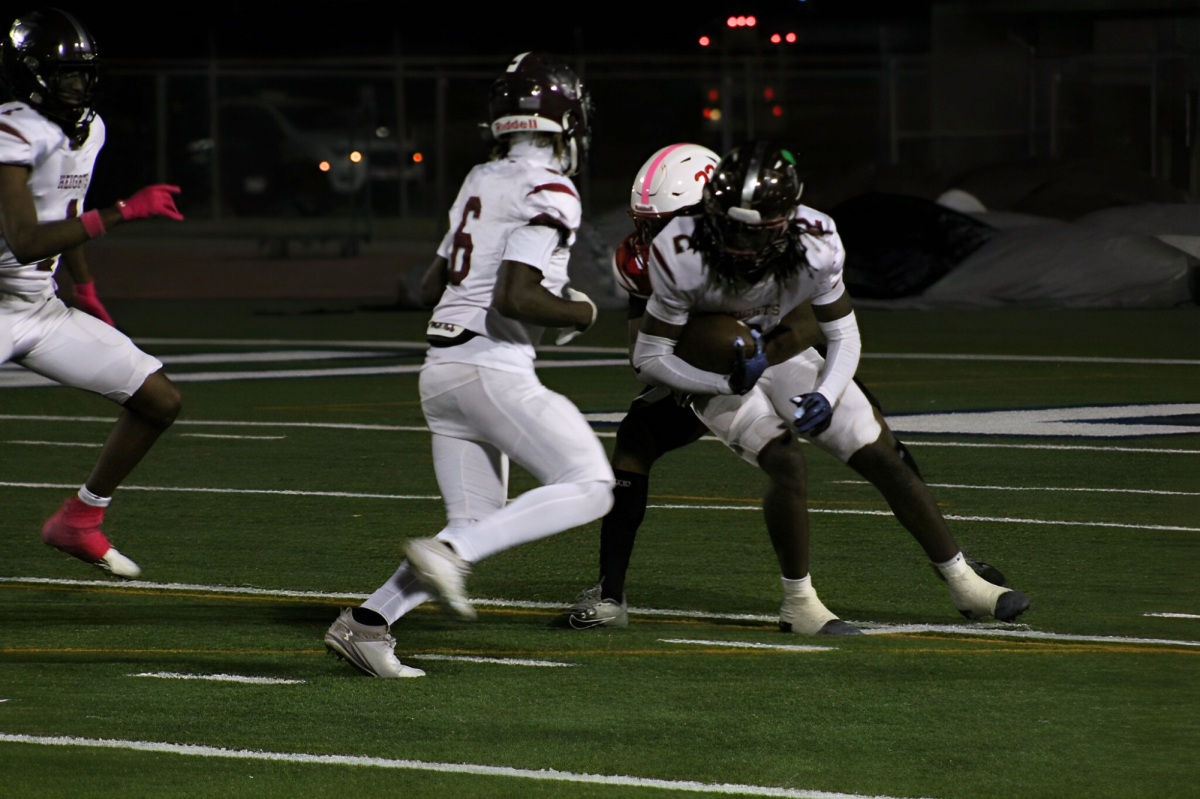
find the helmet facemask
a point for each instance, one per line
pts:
(50, 62)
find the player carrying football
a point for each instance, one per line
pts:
(49, 138)
(757, 254)
(500, 278)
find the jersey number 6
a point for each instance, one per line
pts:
(460, 257)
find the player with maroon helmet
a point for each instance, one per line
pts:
(499, 278)
(49, 138)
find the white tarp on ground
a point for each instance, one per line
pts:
(1142, 256)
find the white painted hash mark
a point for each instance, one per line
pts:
(1043, 488)
(496, 661)
(220, 435)
(547, 775)
(972, 628)
(55, 443)
(174, 675)
(749, 645)
(1174, 615)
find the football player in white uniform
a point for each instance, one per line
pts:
(49, 138)
(670, 183)
(757, 254)
(500, 277)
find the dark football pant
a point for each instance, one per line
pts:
(655, 424)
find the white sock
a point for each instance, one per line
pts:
(535, 514)
(801, 587)
(88, 498)
(953, 567)
(400, 594)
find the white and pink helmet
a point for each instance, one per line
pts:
(671, 180)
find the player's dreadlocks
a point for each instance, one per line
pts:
(781, 260)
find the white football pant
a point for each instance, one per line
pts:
(480, 416)
(747, 423)
(72, 348)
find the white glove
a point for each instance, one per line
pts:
(566, 334)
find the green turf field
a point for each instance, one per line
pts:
(943, 712)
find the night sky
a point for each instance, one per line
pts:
(248, 30)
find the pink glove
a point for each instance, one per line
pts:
(151, 201)
(87, 301)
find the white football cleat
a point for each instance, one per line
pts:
(437, 565)
(113, 561)
(369, 649)
(807, 615)
(976, 598)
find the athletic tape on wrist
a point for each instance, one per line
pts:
(92, 223)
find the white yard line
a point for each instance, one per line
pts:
(1174, 615)
(16, 417)
(55, 443)
(270, 357)
(952, 517)
(975, 628)
(496, 661)
(408, 345)
(219, 435)
(1042, 488)
(904, 356)
(1077, 447)
(901, 629)
(546, 775)
(174, 675)
(749, 645)
(839, 511)
(279, 491)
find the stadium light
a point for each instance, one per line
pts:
(323, 166)
(705, 41)
(776, 38)
(791, 37)
(356, 156)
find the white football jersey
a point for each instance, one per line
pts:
(496, 200)
(58, 180)
(682, 287)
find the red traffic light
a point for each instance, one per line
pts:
(705, 41)
(791, 37)
(776, 38)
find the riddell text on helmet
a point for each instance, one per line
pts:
(517, 124)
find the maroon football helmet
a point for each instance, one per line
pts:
(539, 95)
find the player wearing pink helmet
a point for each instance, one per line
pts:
(671, 186)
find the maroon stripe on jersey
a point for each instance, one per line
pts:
(559, 187)
(13, 131)
(662, 262)
(545, 220)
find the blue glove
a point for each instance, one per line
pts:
(813, 414)
(746, 372)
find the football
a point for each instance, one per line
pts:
(707, 342)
